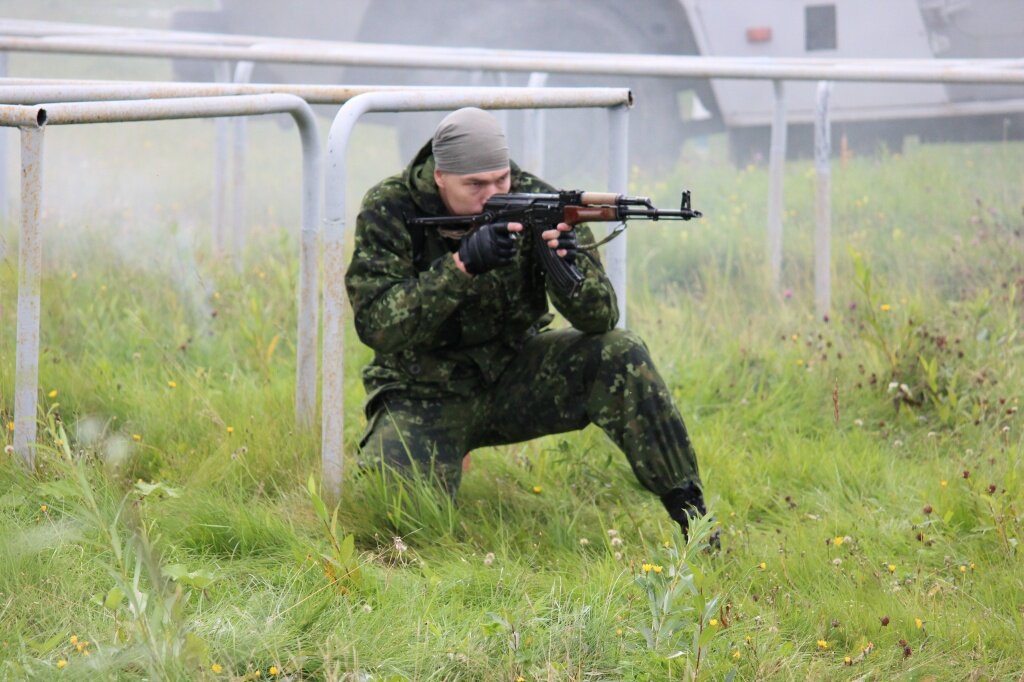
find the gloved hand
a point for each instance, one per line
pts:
(567, 242)
(562, 237)
(491, 246)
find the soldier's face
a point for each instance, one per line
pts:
(466, 194)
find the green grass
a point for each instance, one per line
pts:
(818, 471)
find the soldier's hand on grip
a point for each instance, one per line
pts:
(491, 246)
(563, 240)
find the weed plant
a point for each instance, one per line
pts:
(865, 468)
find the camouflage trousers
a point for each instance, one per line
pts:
(561, 381)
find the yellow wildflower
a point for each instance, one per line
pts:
(943, 483)
(822, 644)
(44, 508)
(537, 489)
(762, 565)
(618, 631)
(713, 622)
(136, 437)
(847, 660)
(61, 663)
(963, 569)
(646, 568)
(216, 668)
(919, 623)
(972, 565)
(892, 568)
(231, 429)
(736, 654)
(838, 540)
(656, 568)
(52, 394)
(74, 275)
(272, 670)
(74, 639)
(885, 307)
(10, 426)
(172, 384)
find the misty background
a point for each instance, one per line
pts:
(141, 179)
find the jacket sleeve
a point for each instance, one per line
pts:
(594, 309)
(394, 306)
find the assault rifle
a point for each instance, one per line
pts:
(541, 212)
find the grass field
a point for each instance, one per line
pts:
(865, 470)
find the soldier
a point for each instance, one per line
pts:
(463, 358)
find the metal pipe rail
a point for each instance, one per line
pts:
(32, 121)
(93, 39)
(594, 63)
(335, 178)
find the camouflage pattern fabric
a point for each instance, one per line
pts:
(560, 381)
(462, 362)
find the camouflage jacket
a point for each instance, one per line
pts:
(434, 329)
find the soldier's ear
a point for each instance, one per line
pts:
(439, 179)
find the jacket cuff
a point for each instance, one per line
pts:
(449, 275)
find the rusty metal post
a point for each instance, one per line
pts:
(243, 74)
(533, 130)
(222, 74)
(4, 137)
(776, 169)
(618, 182)
(823, 204)
(30, 263)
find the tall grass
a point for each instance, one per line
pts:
(865, 470)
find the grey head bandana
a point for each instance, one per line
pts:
(468, 141)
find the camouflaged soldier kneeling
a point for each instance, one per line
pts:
(457, 322)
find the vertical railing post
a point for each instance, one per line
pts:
(776, 169)
(4, 136)
(222, 74)
(243, 74)
(618, 181)
(533, 130)
(26, 374)
(823, 204)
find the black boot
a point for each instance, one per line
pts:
(682, 503)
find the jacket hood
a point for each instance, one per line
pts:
(419, 178)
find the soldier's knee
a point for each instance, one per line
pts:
(624, 345)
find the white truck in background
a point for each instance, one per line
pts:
(668, 110)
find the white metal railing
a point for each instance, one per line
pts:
(32, 121)
(33, 37)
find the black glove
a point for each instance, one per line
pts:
(683, 503)
(491, 246)
(567, 241)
